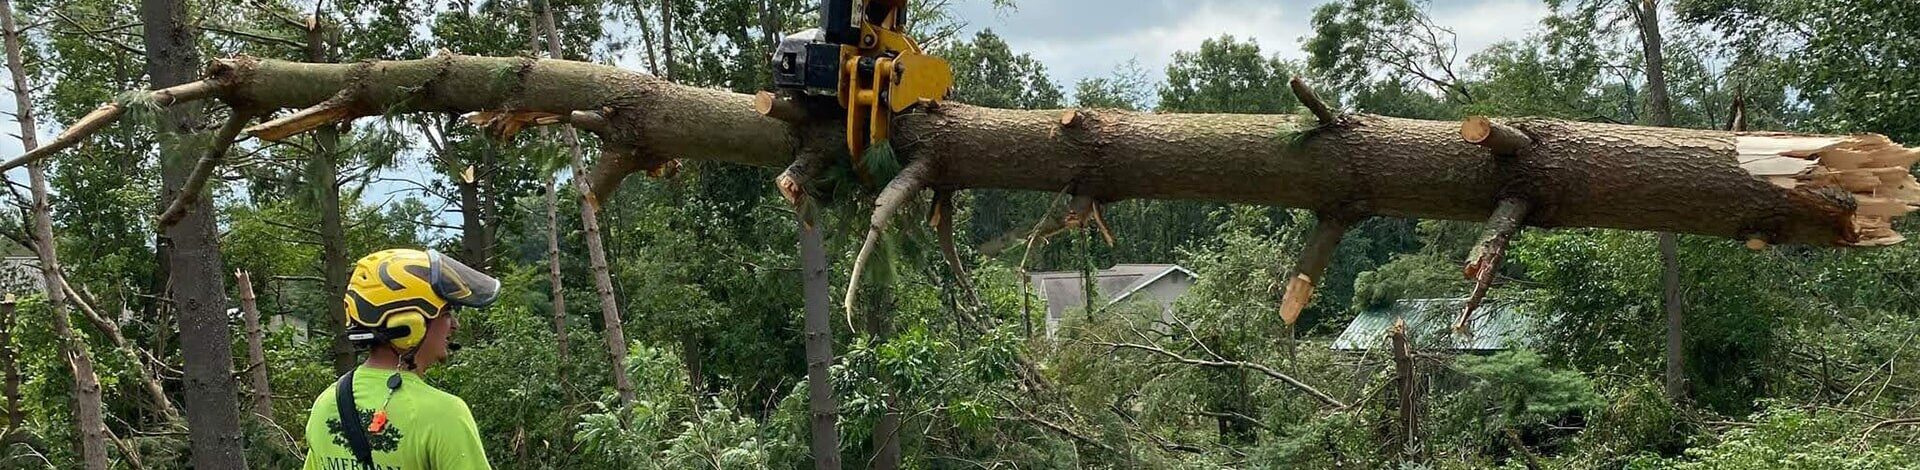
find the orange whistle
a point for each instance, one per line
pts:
(379, 422)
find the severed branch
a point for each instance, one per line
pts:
(904, 186)
(1329, 400)
(1328, 229)
(1485, 260)
(202, 171)
(339, 108)
(110, 112)
(1503, 140)
(943, 215)
(1312, 102)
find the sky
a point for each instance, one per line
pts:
(1078, 39)
(1088, 38)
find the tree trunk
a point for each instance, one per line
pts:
(324, 173)
(1407, 385)
(16, 417)
(256, 348)
(198, 289)
(558, 292)
(823, 408)
(666, 39)
(886, 429)
(476, 237)
(1575, 174)
(87, 403)
(1647, 14)
(596, 249)
(690, 354)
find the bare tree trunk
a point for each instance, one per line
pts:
(198, 289)
(323, 168)
(1647, 14)
(16, 417)
(596, 249)
(256, 348)
(886, 429)
(476, 237)
(87, 403)
(666, 39)
(1407, 392)
(823, 408)
(558, 293)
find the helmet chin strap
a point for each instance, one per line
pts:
(406, 358)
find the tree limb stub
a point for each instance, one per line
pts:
(1575, 174)
(203, 170)
(1485, 259)
(1503, 140)
(1312, 101)
(1328, 229)
(904, 186)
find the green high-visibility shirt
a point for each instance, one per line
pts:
(426, 428)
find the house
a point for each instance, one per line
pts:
(1495, 326)
(1158, 284)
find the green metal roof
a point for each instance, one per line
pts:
(1495, 326)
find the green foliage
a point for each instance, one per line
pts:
(1227, 76)
(1784, 437)
(986, 72)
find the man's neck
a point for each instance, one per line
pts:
(386, 358)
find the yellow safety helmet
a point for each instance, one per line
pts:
(392, 294)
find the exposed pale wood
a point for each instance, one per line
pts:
(1871, 167)
(256, 347)
(331, 111)
(1503, 140)
(1328, 229)
(771, 105)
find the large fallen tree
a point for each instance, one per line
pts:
(1760, 187)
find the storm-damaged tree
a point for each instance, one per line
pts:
(1775, 188)
(198, 277)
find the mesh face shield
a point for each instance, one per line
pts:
(459, 284)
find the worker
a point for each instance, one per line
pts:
(382, 415)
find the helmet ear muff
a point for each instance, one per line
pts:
(405, 330)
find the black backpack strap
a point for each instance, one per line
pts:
(350, 420)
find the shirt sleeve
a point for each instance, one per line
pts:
(457, 445)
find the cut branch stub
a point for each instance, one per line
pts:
(1328, 229)
(771, 105)
(1485, 260)
(1503, 140)
(904, 186)
(1312, 101)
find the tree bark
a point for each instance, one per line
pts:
(324, 170)
(16, 416)
(558, 293)
(198, 289)
(823, 408)
(886, 429)
(256, 348)
(596, 249)
(87, 402)
(1647, 14)
(1576, 174)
